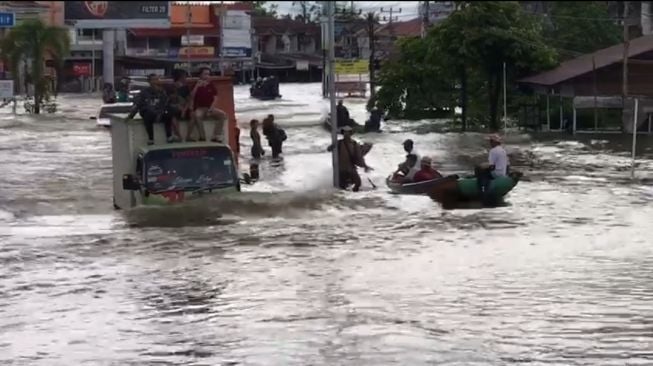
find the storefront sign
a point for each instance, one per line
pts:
(349, 67)
(118, 14)
(196, 52)
(237, 35)
(301, 65)
(6, 88)
(7, 20)
(194, 40)
(82, 69)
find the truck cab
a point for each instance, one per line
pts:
(179, 172)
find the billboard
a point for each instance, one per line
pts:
(117, 14)
(237, 34)
(6, 88)
(351, 67)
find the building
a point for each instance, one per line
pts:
(596, 80)
(289, 49)
(386, 36)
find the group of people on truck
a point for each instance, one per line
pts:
(168, 105)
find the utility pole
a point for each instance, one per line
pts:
(390, 18)
(425, 18)
(188, 23)
(332, 90)
(626, 46)
(371, 24)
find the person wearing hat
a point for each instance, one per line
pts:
(497, 157)
(426, 171)
(349, 158)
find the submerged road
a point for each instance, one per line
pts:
(293, 273)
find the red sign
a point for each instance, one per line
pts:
(97, 8)
(189, 153)
(82, 69)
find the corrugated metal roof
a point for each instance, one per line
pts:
(583, 64)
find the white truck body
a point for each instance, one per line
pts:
(129, 139)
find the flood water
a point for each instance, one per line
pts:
(294, 273)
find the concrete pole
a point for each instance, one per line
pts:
(332, 90)
(108, 43)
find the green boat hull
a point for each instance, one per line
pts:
(450, 194)
(499, 187)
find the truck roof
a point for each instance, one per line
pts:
(181, 145)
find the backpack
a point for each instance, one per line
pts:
(282, 134)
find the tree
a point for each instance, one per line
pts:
(466, 52)
(309, 11)
(30, 42)
(577, 27)
(262, 8)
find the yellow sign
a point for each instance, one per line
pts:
(349, 67)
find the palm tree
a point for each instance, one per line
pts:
(31, 41)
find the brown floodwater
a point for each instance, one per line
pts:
(292, 272)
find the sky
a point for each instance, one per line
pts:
(408, 8)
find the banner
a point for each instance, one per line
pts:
(82, 69)
(117, 14)
(198, 52)
(348, 67)
(6, 88)
(237, 35)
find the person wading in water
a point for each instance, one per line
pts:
(349, 157)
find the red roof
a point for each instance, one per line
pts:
(409, 28)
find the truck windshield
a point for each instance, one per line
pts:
(189, 169)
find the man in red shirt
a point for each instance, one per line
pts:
(426, 172)
(202, 99)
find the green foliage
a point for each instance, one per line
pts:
(577, 27)
(31, 41)
(263, 8)
(465, 53)
(309, 11)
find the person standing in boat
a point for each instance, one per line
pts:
(202, 99)
(150, 104)
(498, 157)
(350, 157)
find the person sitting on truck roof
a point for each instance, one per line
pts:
(203, 98)
(151, 104)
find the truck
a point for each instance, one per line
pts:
(172, 172)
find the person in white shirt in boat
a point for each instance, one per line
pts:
(498, 157)
(497, 165)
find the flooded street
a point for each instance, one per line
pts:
(295, 273)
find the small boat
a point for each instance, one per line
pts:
(268, 89)
(466, 190)
(103, 117)
(419, 187)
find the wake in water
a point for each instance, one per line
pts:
(226, 210)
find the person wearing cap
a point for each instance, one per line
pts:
(426, 171)
(498, 157)
(349, 158)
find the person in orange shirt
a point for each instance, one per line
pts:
(426, 171)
